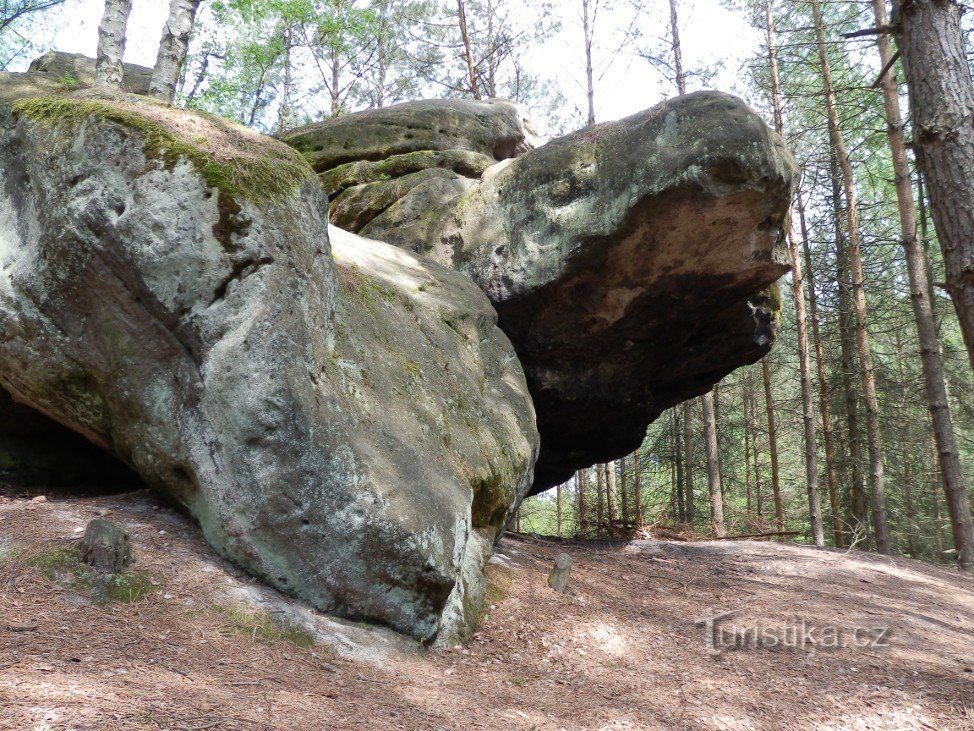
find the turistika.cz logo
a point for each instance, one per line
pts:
(722, 633)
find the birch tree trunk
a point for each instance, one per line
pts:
(866, 368)
(933, 368)
(713, 468)
(172, 49)
(111, 43)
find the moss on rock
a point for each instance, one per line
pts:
(239, 163)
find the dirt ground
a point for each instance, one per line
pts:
(200, 646)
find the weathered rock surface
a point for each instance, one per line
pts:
(629, 262)
(494, 128)
(106, 547)
(344, 420)
(72, 70)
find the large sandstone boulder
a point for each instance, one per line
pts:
(629, 262)
(72, 70)
(344, 419)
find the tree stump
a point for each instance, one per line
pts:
(558, 578)
(105, 547)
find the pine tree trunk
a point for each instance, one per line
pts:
(587, 29)
(933, 369)
(713, 468)
(857, 498)
(172, 49)
(678, 461)
(581, 478)
(688, 462)
(825, 392)
(111, 43)
(599, 498)
(866, 370)
(622, 492)
(611, 496)
(931, 43)
(747, 448)
(779, 515)
(753, 422)
(681, 82)
(798, 293)
(637, 493)
(467, 48)
(558, 509)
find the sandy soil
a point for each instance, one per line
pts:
(207, 648)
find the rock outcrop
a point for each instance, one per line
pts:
(72, 70)
(344, 419)
(629, 262)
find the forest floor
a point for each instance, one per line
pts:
(203, 647)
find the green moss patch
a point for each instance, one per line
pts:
(264, 627)
(239, 163)
(61, 565)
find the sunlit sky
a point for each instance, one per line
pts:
(711, 36)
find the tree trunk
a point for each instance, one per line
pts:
(825, 393)
(611, 497)
(558, 509)
(622, 492)
(581, 479)
(681, 82)
(599, 498)
(713, 469)
(847, 348)
(172, 49)
(637, 493)
(688, 461)
(753, 422)
(866, 369)
(933, 367)
(747, 448)
(678, 461)
(111, 43)
(779, 515)
(931, 44)
(467, 49)
(587, 28)
(798, 293)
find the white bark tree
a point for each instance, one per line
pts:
(111, 42)
(172, 49)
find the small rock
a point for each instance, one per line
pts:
(558, 578)
(106, 547)
(39, 499)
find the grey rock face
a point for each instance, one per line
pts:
(629, 262)
(495, 128)
(106, 547)
(344, 420)
(72, 70)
